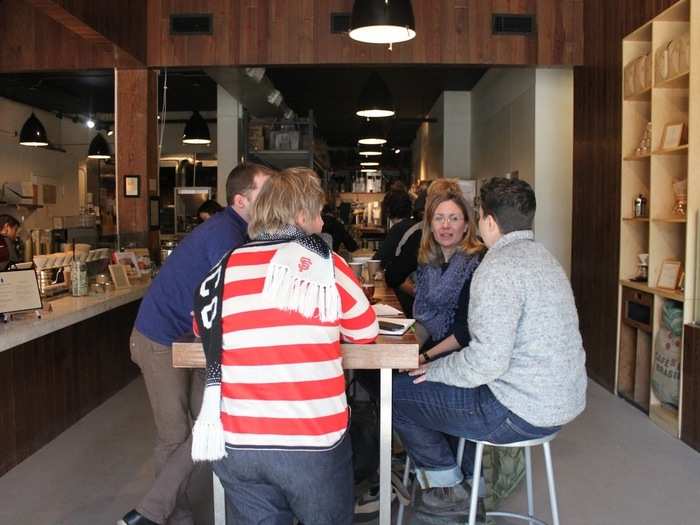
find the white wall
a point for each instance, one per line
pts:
(522, 119)
(442, 148)
(40, 165)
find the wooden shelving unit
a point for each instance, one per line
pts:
(664, 235)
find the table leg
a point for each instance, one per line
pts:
(385, 446)
(219, 501)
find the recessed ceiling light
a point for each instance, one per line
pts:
(90, 123)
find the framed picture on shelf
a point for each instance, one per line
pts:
(132, 186)
(129, 261)
(673, 135)
(669, 275)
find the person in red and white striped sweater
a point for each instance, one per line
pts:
(286, 301)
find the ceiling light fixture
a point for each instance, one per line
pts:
(368, 170)
(370, 151)
(382, 21)
(196, 130)
(375, 100)
(397, 150)
(371, 133)
(90, 123)
(33, 133)
(99, 148)
(365, 163)
(110, 132)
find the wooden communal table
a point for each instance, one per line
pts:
(386, 354)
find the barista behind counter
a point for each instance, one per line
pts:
(9, 253)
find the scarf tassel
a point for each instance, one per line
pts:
(208, 442)
(292, 293)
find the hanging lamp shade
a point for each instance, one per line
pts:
(366, 163)
(33, 133)
(99, 148)
(375, 100)
(382, 21)
(370, 151)
(371, 133)
(196, 130)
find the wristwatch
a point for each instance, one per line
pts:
(427, 357)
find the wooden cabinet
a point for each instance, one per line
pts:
(690, 426)
(657, 96)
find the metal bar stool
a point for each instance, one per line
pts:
(530, 518)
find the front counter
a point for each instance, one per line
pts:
(56, 369)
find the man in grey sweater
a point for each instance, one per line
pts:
(523, 374)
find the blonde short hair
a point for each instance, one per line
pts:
(281, 199)
(443, 190)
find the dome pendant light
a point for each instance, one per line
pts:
(371, 133)
(33, 133)
(196, 130)
(382, 21)
(370, 151)
(99, 148)
(375, 100)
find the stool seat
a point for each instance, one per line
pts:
(518, 444)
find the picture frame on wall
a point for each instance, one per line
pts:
(132, 186)
(669, 275)
(672, 136)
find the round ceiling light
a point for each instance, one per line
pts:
(364, 163)
(33, 133)
(371, 133)
(99, 148)
(375, 100)
(196, 130)
(382, 21)
(368, 170)
(370, 151)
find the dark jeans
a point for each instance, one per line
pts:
(272, 487)
(425, 415)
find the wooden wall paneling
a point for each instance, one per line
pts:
(690, 424)
(560, 30)
(596, 199)
(31, 41)
(136, 151)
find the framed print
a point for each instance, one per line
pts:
(129, 261)
(119, 278)
(132, 185)
(19, 291)
(673, 135)
(669, 275)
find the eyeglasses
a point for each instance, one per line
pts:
(451, 219)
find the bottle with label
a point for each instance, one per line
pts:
(640, 206)
(78, 278)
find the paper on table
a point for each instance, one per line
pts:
(405, 323)
(385, 310)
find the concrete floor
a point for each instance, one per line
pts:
(613, 467)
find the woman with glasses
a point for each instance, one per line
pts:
(448, 255)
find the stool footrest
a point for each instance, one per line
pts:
(517, 516)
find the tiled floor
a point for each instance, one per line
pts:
(613, 467)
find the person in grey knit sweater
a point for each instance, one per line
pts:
(523, 374)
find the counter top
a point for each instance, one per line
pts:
(66, 311)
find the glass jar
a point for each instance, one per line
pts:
(78, 278)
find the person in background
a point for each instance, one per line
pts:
(523, 374)
(399, 250)
(419, 203)
(8, 241)
(275, 402)
(208, 209)
(165, 315)
(336, 229)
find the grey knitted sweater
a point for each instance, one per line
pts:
(525, 344)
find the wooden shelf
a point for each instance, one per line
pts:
(635, 219)
(671, 220)
(643, 287)
(637, 157)
(642, 96)
(678, 81)
(680, 150)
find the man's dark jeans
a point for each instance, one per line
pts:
(425, 415)
(272, 487)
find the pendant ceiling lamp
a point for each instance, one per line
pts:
(366, 163)
(196, 130)
(382, 21)
(33, 133)
(370, 151)
(99, 148)
(375, 100)
(371, 133)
